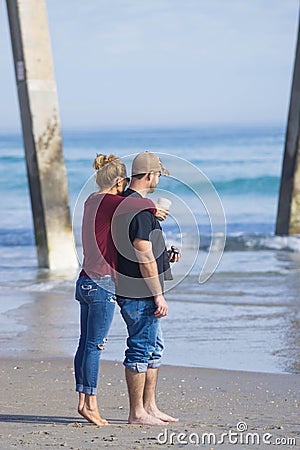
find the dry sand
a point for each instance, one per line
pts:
(38, 408)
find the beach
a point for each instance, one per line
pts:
(38, 401)
(38, 408)
(231, 365)
(209, 88)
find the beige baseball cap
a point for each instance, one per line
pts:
(146, 162)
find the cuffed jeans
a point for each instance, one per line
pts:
(145, 342)
(97, 305)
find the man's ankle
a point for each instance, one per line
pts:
(137, 413)
(150, 406)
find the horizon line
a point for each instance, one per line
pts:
(170, 127)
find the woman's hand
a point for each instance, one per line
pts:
(161, 213)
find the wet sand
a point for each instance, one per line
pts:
(38, 408)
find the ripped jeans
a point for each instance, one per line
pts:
(145, 343)
(97, 305)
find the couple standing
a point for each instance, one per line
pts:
(124, 254)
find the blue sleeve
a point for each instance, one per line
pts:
(141, 226)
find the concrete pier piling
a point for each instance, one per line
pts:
(288, 215)
(41, 133)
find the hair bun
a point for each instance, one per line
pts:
(101, 160)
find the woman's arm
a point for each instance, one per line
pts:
(133, 204)
(125, 205)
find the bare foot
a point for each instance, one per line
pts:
(155, 412)
(93, 416)
(80, 407)
(81, 402)
(145, 419)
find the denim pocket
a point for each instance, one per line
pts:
(130, 310)
(85, 290)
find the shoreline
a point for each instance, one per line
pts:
(38, 406)
(40, 358)
(56, 314)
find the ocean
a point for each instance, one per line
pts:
(225, 180)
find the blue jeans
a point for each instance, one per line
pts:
(97, 305)
(145, 342)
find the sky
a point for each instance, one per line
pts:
(164, 63)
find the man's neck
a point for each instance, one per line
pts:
(140, 189)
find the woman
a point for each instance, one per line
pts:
(95, 286)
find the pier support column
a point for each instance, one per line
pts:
(41, 133)
(288, 215)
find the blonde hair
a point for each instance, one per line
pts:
(108, 170)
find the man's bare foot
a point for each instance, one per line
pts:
(93, 416)
(155, 412)
(145, 419)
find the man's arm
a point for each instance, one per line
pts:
(148, 268)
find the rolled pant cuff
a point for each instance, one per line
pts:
(154, 363)
(86, 389)
(137, 367)
(79, 388)
(143, 367)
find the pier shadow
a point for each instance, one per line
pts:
(51, 420)
(48, 420)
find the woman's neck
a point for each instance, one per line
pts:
(112, 191)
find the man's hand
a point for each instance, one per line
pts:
(161, 213)
(162, 306)
(174, 256)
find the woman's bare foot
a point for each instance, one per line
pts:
(155, 412)
(145, 419)
(81, 402)
(93, 416)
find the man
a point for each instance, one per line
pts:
(141, 269)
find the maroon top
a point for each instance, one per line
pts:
(99, 251)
